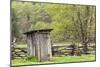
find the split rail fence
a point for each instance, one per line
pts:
(56, 51)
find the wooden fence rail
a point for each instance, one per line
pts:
(68, 50)
(56, 51)
(19, 52)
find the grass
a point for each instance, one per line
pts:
(63, 59)
(21, 45)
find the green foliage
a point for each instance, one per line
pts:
(63, 19)
(27, 16)
(42, 25)
(14, 25)
(31, 58)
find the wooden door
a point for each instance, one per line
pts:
(44, 47)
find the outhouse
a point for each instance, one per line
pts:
(39, 44)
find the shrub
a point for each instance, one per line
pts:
(31, 58)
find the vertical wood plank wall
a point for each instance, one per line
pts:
(33, 44)
(43, 47)
(39, 45)
(29, 45)
(49, 47)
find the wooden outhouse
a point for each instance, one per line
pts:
(39, 44)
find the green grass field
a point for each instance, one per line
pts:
(63, 59)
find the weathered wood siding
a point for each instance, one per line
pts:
(31, 44)
(49, 47)
(39, 45)
(43, 47)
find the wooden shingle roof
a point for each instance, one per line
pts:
(40, 30)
